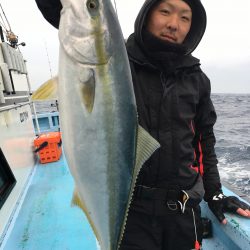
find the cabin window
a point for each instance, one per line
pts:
(7, 179)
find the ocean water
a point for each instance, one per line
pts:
(232, 131)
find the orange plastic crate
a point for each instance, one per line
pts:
(53, 150)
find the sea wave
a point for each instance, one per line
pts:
(232, 132)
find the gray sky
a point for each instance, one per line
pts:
(224, 50)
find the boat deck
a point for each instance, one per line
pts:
(45, 218)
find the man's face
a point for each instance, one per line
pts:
(170, 20)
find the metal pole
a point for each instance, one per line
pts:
(36, 119)
(27, 76)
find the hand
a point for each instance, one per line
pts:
(220, 203)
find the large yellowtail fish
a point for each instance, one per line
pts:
(103, 144)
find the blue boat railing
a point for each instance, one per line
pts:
(235, 235)
(47, 122)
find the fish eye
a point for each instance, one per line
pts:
(92, 5)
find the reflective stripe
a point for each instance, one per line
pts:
(195, 168)
(201, 159)
(195, 156)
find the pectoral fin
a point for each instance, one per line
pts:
(87, 90)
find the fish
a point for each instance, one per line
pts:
(103, 143)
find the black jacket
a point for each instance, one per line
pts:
(177, 111)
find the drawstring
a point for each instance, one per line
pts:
(184, 201)
(197, 244)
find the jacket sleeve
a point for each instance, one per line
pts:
(50, 9)
(204, 141)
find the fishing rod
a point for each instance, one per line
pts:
(3, 29)
(10, 36)
(48, 59)
(2, 22)
(6, 19)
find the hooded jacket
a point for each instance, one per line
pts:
(174, 106)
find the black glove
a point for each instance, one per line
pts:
(220, 203)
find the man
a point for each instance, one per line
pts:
(174, 106)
